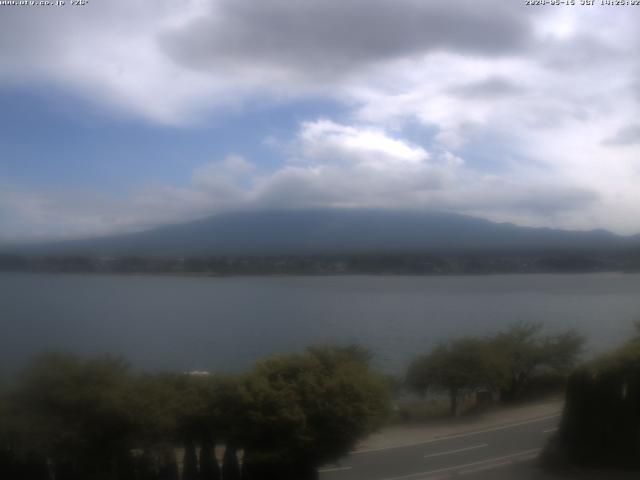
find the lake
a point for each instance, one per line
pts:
(225, 324)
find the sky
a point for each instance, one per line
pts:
(122, 115)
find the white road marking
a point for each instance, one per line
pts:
(484, 468)
(499, 461)
(530, 455)
(459, 435)
(334, 469)
(450, 452)
(549, 430)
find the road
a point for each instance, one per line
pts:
(496, 452)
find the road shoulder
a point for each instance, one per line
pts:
(397, 436)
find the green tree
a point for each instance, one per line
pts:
(76, 415)
(458, 366)
(78, 419)
(158, 407)
(187, 410)
(524, 353)
(520, 350)
(306, 410)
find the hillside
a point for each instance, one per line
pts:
(335, 231)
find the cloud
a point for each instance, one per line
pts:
(332, 165)
(629, 135)
(173, 64)
(337, 165)
(31, 215)
(223, 173)
(506, 106)
(108, 55)
(489, 88)
(309, 39)
(369, 147)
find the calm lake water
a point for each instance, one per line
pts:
(189, 323)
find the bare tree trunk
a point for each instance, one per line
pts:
(230, 465)
(190, 462)
(209, 468)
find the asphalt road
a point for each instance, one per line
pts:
(498, 452)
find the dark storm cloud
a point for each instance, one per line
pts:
(493, 87)
(328, 37)
(629, 135)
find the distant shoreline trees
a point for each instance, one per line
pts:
(439, 262)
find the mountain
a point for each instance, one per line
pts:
(336, 231)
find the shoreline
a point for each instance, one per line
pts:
(316, 275)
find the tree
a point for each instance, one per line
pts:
(519, 348)
(168, 467)
(419, 376)
(7, 454)
(158, 407)
(305, 410)
(187, 410)
(458, 366)
(76, 415)
(561, 352)
(507, 362)
(209, 468)
(600, 424)
(230, 464)
(190, 462)
(524, 353)
(78, 419)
